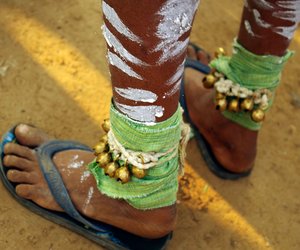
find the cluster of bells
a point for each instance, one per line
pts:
(232, 104)
(113, 167)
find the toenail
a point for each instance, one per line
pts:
(22, 128)
(10, 173)
(6, 160)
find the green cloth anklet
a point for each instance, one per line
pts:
(253, 72)
(159, 187)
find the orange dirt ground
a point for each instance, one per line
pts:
(53, 74)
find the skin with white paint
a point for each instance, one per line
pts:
(174, 89)
(88, 198)
(146, 114)
(120, 64)
(137, 95)
(111, 15)
(260, 22)
(176, 20)
(172, 51)
(178, 74)
(85, 176)
(74, 163)
(291, 13)
(263, 4)
(114, 43)
(249, 28)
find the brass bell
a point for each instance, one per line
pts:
(234, 105)
(221, 104)
(209, 81)
(138, 173)
(220, 52)
(111, 169)
(258, 115)
(103, 159)
(104, 138)
(100, 148)
(247, 104)
(220, 95)
(106, 125)
(122, 174)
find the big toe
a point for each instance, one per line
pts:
(30, 136)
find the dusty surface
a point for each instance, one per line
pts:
(53, 74)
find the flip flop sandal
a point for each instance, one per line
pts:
(211, 161)
(103, 234)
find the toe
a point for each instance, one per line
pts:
(191, 52)
(20, 176)
(25, 191)
(19, 150)
(30, 136)
(17, 162)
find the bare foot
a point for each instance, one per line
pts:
(80, 185)
(233, 146)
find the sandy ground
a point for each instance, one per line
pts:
(53, 74)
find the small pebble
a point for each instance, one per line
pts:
(292, 129)
(295, 100)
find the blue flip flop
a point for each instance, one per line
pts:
(103, 234)
(211, 161)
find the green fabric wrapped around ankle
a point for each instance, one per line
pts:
(159, 187)
(250, 71)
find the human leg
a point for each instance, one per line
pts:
(159, 76)
(266, 29)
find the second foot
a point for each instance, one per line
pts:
(233, 145)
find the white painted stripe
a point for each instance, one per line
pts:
(176, 19)
(111, 15)
(260, 22)
(114, 43)
(287, 32)
(249, 28)
(178, 74)
(146, 114)
(174, 89)
(292, 5)
(120, 64)
(137, 95)
(264, 4)
(290, 15)
(173, 51)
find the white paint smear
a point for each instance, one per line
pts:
(88, 198)
(249, 28)
(287, 32)
(176, 20)
(260, 22)
(173, 51)
(85, 175)
(146, 114)
(174, 89)
(292, 14)
(292, 5)
(138, 95)
(264, 4)
(120, 64)
(114, 43)
(289, 15)
(177, 75)
(111, 15)
(74, 163)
